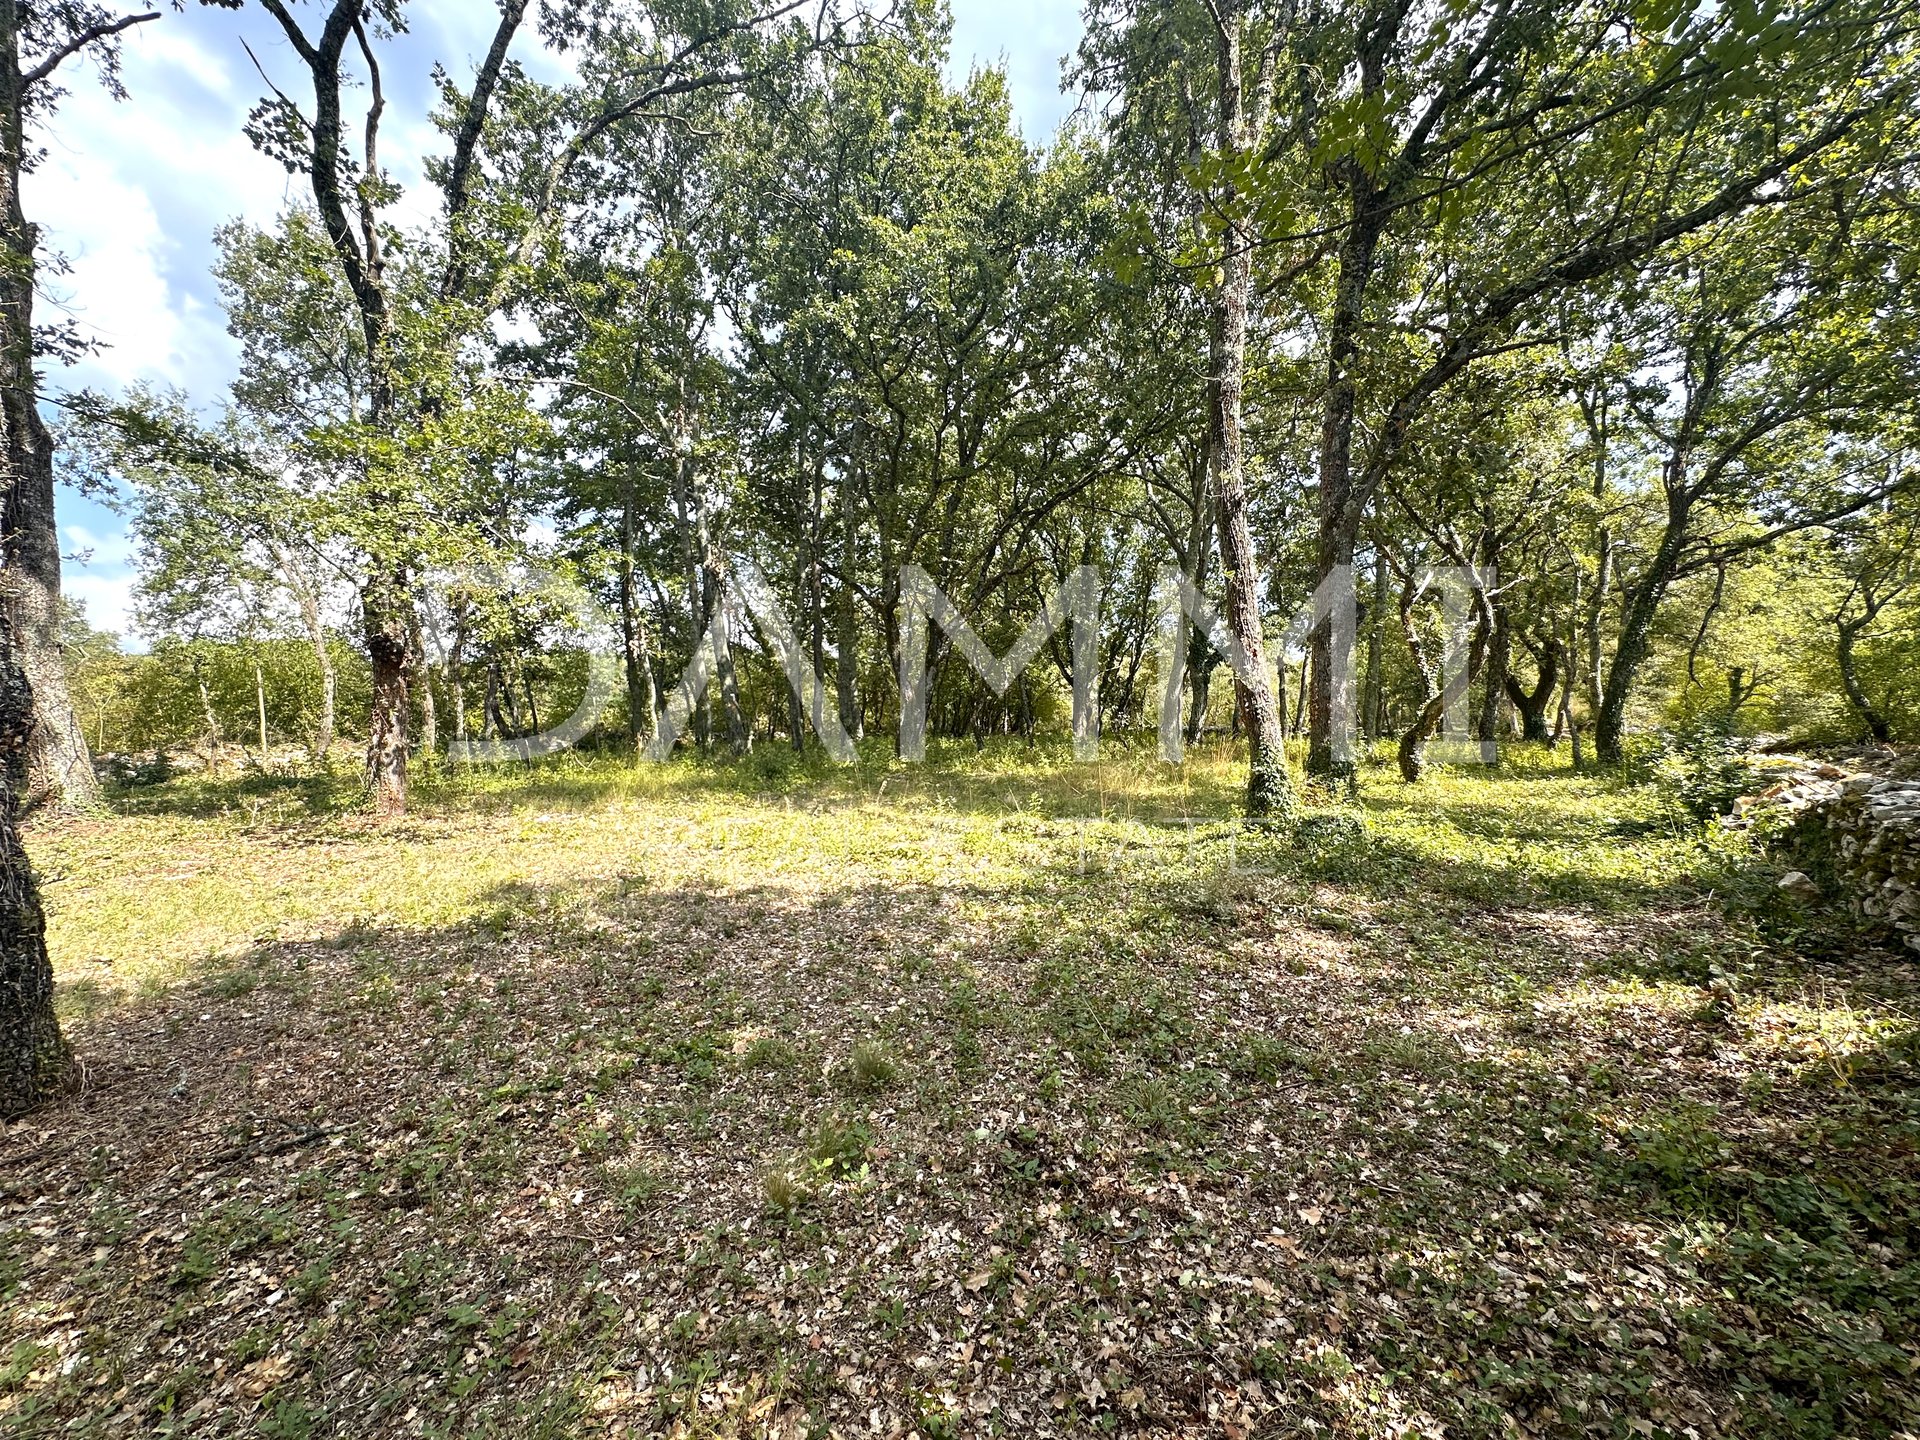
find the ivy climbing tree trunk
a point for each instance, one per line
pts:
(1870, 714)
(33, 1055)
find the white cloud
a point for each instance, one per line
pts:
(111, 550)
(130, 192)
(108, 598)
(1030, 37)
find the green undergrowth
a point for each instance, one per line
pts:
(761, 1096)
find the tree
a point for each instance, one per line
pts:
(421, 307)
(911, 290)
(35, 41)
(1792, 357)
(45, 753)
(1212, 133)
(231, 542)
(1506, 154)
(33, 1054)
(1879, 562)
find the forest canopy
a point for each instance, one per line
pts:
(1606, 305)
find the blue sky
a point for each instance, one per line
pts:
(131, 193)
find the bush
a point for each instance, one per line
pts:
(1703, 768)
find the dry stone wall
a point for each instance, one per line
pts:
(1868, 829)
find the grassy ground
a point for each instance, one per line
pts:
(997, 1096)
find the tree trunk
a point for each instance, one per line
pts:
(492, 723)
(429, 714)
(316, 629)
(423, 674)
(58, 769)
(260, 708)
(796, 711)
(642, 719)
(1493, 697)
(1609, 737)
(1597, 419)
(738, 740)
(1269, 790)
(207, 714)
(1199, 680)
(456, 661)
(690, 557)
(1372, 703)
(1532, 704)
(1413, 744)
(1636, 630)
(1190, 640)
(1876, 723)
(329, 691)
(1433, 700)
(33, 1055)
(1340, 508)
(815, 598)
(386, 610)
(846, 637)
(1563, 722)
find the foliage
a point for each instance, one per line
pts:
(1704, 767)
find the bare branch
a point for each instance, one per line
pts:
(76, 43)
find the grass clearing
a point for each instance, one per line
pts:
(995, 1096)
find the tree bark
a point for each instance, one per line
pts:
(456, 662)
(642, 715)
(1190, 642)
(1596, 413)
(712, 596)
(260, 708)
(1870, 714)
(34, 1059)
(1636, 628)
(1269, 788)
(1375, 696)
(1200, 668)
(846, 660)
(1340, 507)
(423, 674)
(58, 768)
(1493, 697)
(690, 566)
(207, 713)
(386, 611)
(1432, 708)
(1532, 705)
(796, 712)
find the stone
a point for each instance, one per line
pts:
(1869, 828)
(1799, 884)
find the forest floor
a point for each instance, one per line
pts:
(995, 1096)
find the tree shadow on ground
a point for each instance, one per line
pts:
(617, 1152)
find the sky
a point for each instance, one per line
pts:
(131, 192)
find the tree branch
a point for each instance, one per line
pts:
(75, 44)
